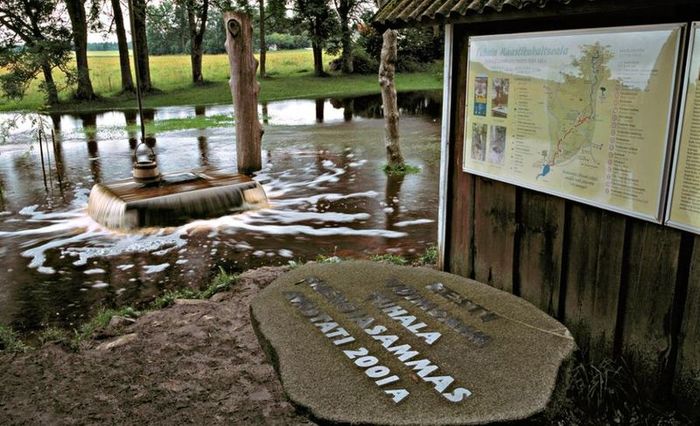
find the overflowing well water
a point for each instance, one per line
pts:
(322, 175)
(174, 200)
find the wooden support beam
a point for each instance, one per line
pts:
(494, 239)
(594, 258)
(651, 267)
(539, 249)
(686, 384)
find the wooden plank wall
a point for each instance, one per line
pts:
(624, 287)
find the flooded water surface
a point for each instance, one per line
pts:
(322, 173)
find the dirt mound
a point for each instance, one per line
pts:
(195, 362)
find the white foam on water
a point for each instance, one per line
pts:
(244, 222)
(287, 217)
(94, 271)
(291, 213)
(243, 246)
(77, 235)
(285, 253)
(29, 210)
(280, 186)
(46, 270)
(129, 243)
(413, 222)
(314, 199)
(99, 284)
(152, 269)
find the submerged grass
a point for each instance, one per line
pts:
(400, 170)
(290, 76)
(10, 341)
(169, 125)
(173, 124)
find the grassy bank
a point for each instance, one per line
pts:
(290, 76)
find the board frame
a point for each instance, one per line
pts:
(671, 120)
(679, 133)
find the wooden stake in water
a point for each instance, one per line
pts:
(55, 155)
(244, 89)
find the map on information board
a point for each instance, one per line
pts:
(584, 115)
(684, 206)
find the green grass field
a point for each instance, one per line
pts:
(290, 76)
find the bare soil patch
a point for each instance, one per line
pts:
(195, 362)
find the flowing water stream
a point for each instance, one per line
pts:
(322, 174)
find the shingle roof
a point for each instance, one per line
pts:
(415, 12)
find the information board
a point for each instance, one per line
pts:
(684, 202)
(585, 114)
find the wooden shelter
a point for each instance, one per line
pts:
(626, 285)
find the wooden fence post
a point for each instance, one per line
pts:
(244, 89)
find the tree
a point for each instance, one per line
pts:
(34, 39)
(140, 42)
(124, 65)
(263, 47)
(78, 18)
(215, 37)
(197, 11)
(347, 10)
(417, 47)
(167, 28)
(321, 25)
(276, 17)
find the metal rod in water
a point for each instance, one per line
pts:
(41, 152)
(48, 160)
(134, 46)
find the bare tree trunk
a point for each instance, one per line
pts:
(140, 43)
(51, 91)
(244, 89)
(318, 59)
(345, 37)
(78, 19)
(263, 46)
(387, 70)
(197, 38)
(124, 65)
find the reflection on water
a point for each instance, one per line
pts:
(322, 174)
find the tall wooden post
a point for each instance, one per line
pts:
(244, 89)
(387, 68)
